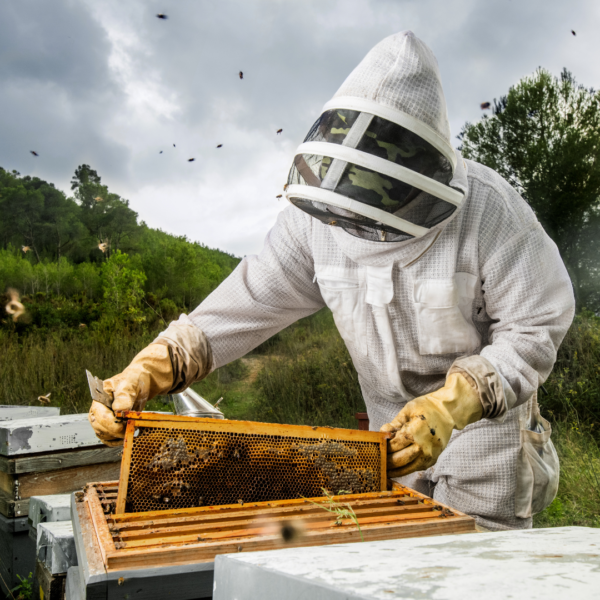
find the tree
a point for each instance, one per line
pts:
(107, 216)
(544, 138)
(123, 287)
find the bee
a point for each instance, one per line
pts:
(14, 306)
(162, 16)
(191, 159)
(220, 146)
(485, 105)
(279, 131)
(25, 249)
(279, 196)
(44, 399)
(34, 152)
(241, 75)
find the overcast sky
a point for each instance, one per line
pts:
(105, 82)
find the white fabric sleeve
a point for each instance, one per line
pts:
(264, 294)
(529, 295)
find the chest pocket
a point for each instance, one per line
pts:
(344, 292)
(444, 319)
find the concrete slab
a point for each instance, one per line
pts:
(56, 546)
(537, 564)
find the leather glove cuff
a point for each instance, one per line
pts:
(494, 392)
(190, 353)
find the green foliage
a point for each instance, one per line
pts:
(55, 362)
(341, 511)
(544, 138)
(311, 379)
(123, 288)
(24, 589)
(578, 499)
(50, 244)
(574, 384)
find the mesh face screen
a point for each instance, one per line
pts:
(385, 140)
(173, 467)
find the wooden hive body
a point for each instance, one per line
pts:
(173, 462)
(121, 542)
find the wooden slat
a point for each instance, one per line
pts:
(290, 512)
(99, 522)
(60, 481)
(148, 419)
(52, 461)
(125, 466)
(205, 551)
(255, 506)
(226, 523)
(9, 507)
(250, 529)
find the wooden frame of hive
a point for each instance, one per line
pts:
(120, 542)
(175, 462)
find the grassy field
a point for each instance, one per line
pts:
(304, 375)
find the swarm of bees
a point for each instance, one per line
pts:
(14, 306)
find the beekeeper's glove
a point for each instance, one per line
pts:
(424, 426)
(179, 356)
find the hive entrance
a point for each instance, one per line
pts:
(184, 462)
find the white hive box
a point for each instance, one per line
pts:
(536, 564)
(56, 546)
(14, 412)
(49, 509)
(46, 434)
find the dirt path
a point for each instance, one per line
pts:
(255, 364)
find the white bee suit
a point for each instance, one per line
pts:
(484, 292)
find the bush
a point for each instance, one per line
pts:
(578, 499)
(311, 379)
(574, 384)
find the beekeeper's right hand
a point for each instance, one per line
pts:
(179, 356)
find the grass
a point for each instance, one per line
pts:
(578, 498)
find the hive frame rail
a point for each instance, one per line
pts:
(196, 535)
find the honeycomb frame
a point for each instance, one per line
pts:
(175, 462)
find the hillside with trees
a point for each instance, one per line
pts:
(76, 260)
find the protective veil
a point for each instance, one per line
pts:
(482, 291)
(367, 164)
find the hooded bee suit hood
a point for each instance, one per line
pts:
(429, 263)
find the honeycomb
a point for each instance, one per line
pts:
(183, 468)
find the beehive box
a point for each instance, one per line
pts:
(173, 462)
(170, 553)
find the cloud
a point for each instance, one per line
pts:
(107, 83)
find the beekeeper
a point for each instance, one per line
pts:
(449, 295)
